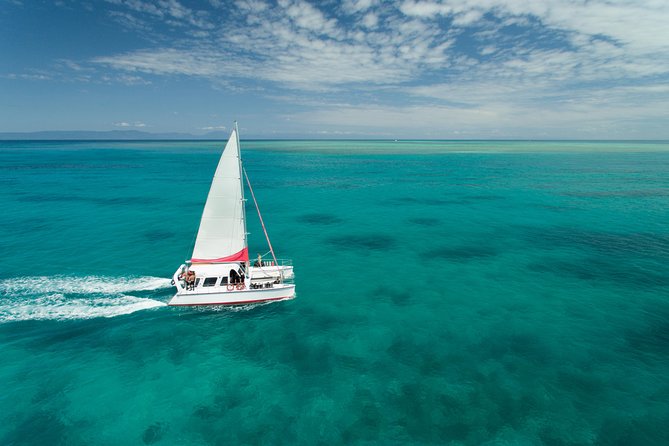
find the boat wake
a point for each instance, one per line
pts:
(68, 298)
(234, 308)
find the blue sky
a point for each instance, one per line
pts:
(456, 69)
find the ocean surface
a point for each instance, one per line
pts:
(448, 293)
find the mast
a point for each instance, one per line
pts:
(241, 186)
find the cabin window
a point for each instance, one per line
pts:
(224, 280)
(197, 281)
(210, 281)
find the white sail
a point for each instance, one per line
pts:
(222, 233)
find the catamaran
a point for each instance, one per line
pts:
(219, 271)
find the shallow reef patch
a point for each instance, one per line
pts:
(319, 219)
(377, 242)
(461, 253)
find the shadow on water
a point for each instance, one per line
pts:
(156, 235)
(41, 427)
(276, 424)
(48, 334)
(425, 221)
(377, 242)
(464, 200)
(610, 243)
(509, 346)
(604, 269)
(105, 201)
(319, 219)
(28, 226)
(484, 197)
(461, 253)
(649, 193)
(421, 201)
(307, 356)
(632, 430)
(396, 296)
(650, 337)
(154, 433)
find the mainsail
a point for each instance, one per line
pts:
(222, 233)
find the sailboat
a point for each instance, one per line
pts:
(219, 271)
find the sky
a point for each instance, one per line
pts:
(436, 69)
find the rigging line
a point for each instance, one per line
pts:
(262, 223)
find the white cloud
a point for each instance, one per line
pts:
(136, 124)
(425, 9)
(370, 20)
(168, 11)
(356, 6)
(474, 63)
(295, 44)
(213, 127)
(583, 119)
(28, 76)
(291, 43)
(164, 61)
(298, 48)
(640, 24)
(307, 17)
(128, 79)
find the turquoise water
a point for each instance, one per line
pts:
(461, 293)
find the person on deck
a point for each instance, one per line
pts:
(190, 280)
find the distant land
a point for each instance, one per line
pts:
(107, 135)
(138, 135)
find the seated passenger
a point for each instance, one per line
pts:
(190, 280)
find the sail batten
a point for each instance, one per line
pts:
(222, 234)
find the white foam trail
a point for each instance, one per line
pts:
(46, 298)
(236, 308)
(58, 307)
(81, 285)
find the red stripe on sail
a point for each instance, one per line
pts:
(241, 256)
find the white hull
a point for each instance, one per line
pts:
(235, 297)
(263, 284)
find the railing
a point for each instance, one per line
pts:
(266, 263)
(284, 269)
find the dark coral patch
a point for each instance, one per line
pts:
(651, 336)
(642, 244)
(319, 219)
(158, 235)
(112, 201)
(634, 193)
(461, 253)
(41, 427)
(48, 198)
(375, 242)
(420, 201)
(398, 297)
(603, 269)
(424, 221)
(153, 433)
(484, 197)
